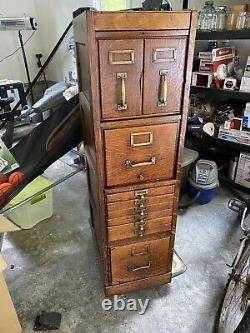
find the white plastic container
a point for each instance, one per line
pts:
(36, 210)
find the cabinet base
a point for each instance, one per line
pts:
(125, 288)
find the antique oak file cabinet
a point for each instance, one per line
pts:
(134, 73)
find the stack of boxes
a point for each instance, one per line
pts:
(245, 82)
(204, 77)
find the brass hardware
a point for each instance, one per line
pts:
(131, 53)
(139, 210)
(140, 201)
(141, 164)
(134, 135)
(163, 90)
(141, 177)
(135, 253)
(141, 193)
(123, 105)
(164, 49)
(138, 268)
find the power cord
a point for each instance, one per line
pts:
(14, 52)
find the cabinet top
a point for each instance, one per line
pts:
(139, 20)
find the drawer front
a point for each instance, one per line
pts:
(140, 194)
(121, 64)
(131, 230)
(140, 154)
(144, 216)
(139, 260)
(164, 75)
(128, 208)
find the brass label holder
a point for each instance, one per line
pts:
(133, 137)
(112, 54)
(158, 59)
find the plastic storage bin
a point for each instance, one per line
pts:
(36, 210)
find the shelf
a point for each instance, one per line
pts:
(227, 144)
(222, 94)
(234, 185)
(221, 35)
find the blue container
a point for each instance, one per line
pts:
(205, 196)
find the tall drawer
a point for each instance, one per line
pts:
(164, 75)
(139, 260)
(140, 154)
(121, 65)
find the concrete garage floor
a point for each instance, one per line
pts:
(56, 268)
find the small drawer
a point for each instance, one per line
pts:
(139, 260)
(141, 193)
(140, 154)
(150, 215)
(139, 230)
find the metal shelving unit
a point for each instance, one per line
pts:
(223, 35)
(221, 94)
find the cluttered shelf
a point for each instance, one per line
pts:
(223, 35)
(221, 93)
(225, 144)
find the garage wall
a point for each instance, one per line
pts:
(13, 68)
(54, 16)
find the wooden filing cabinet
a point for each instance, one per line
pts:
(134, 72)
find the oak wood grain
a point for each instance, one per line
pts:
(139, 260)
(111, 85)
(117, 21)
(118, 150)
(175, 74)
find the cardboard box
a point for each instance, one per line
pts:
(245, 84)
(247, 68)
(243, 170)
(9, 322)
(235, 136)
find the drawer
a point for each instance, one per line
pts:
(132, 208)
(140, 154)
(139, 260)
(131, 230)
(164, 75)
(150, 215)
(121, 65)
(142, 193)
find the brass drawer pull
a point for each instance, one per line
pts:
(114, 53)
(163, 90)
(171, 58)
(133, 137)
(138, 268)
(123, 105)
(141, 193)
(135, 252)
(141, 164)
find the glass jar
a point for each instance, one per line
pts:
(248, 21)
(242, 21)
(207, 19)
(221, 17)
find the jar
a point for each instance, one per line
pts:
(248, 21)
(234, 12)
(242, 21)
(208, 16)
(221, 17)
